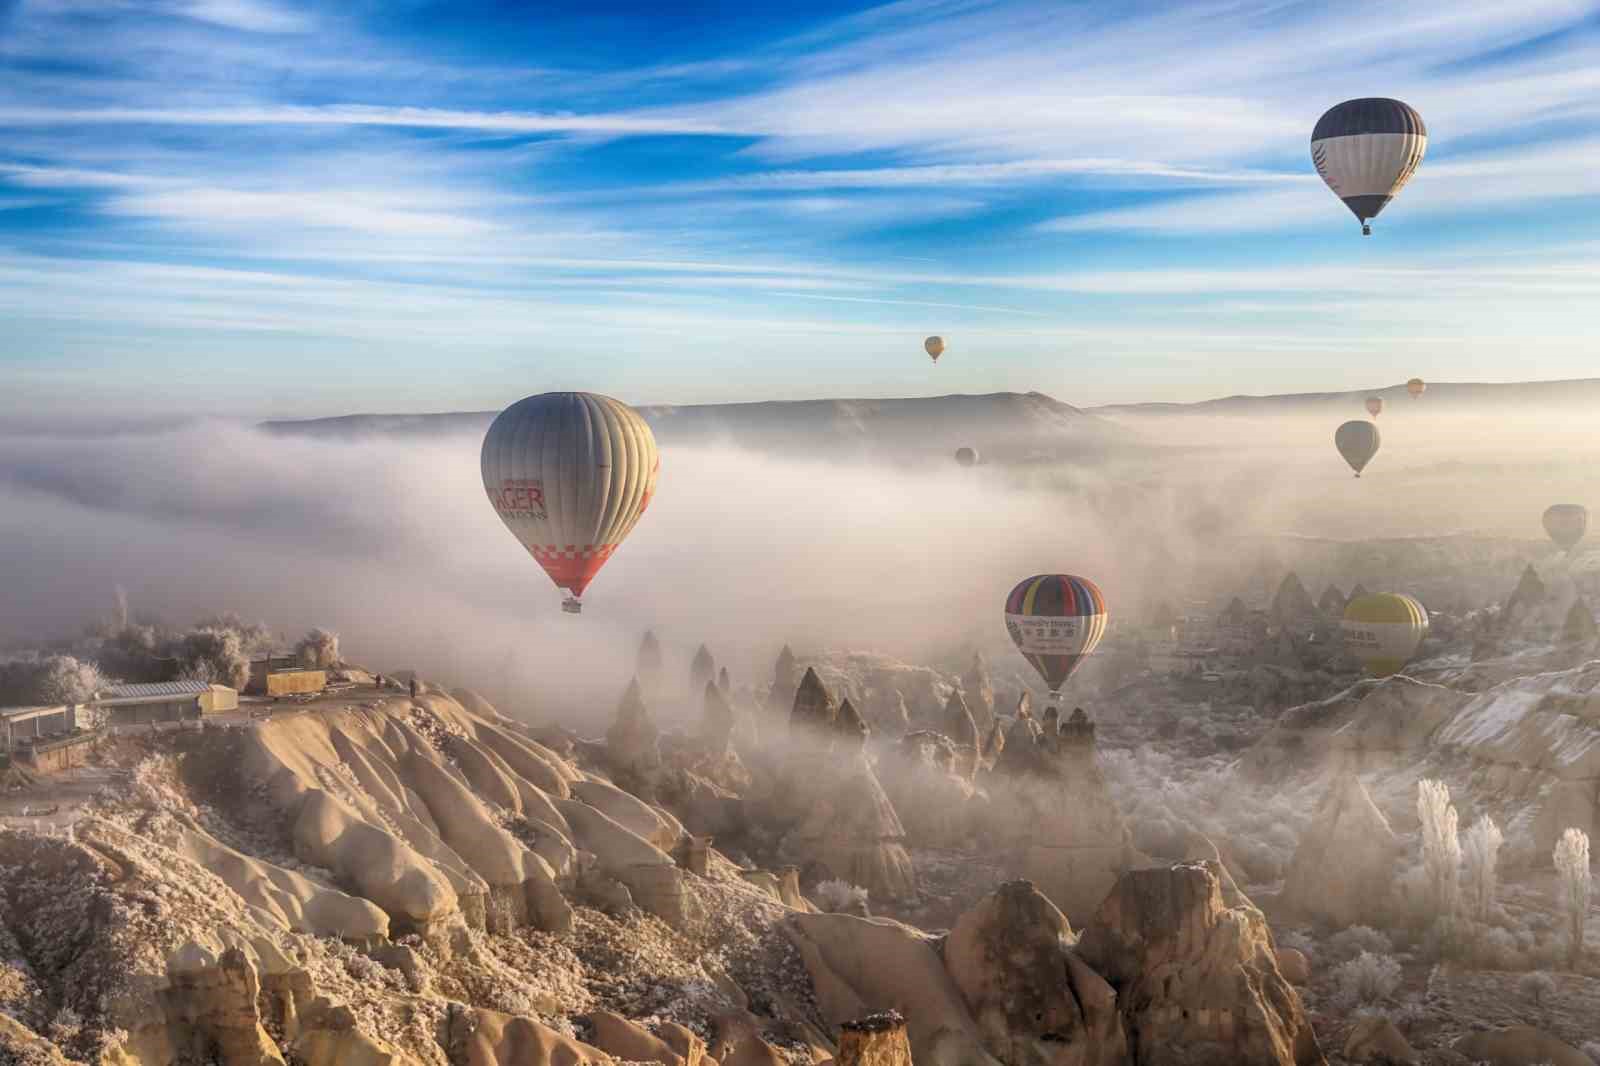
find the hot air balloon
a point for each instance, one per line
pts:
(1366, 150)
(1384, 630)
(966, 456)
(1358, 442)
(1374, 406)
(934, 346)
(1566, 523)
(1055, 620)
(1416, 387)
(570, 473)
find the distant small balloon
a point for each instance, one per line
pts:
(967, 456)
(934, 346)
(1358, 442)
(1566, 523)
(1416, 387)
(1374, 406)
(1384, 630)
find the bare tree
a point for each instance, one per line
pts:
(1572, 864)
(1482, 853)
(215, 656)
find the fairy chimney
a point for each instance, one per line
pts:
(716, 720)
(648, 669)
(632, 742)
(702, 670)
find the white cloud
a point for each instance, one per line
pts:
(360, 115)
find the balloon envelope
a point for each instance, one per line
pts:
(1055, 620)
(1358, 442)
(1384, 630)
(934, 346)
(1416, 387)
(1566, 523)
(570, 473)
(966, 456)
(1366, 150)
(1374, 406)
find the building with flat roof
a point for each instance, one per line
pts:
(163, 701)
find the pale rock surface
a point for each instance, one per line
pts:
(1375, 1039)
(862, 965)
(1343, 869)
(489, 1038)
(1520, 1045)
(1036, 1003)
(1196, 982)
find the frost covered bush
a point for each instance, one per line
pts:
(841, 897)
(1300, 942)
(1537, 987)
(1367, 978)
(1359, 940)
(1592, 1049)
(318, 648)
(1572, 864)
(214, 656)
(51, 680)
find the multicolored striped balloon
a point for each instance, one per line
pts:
(1056, 620)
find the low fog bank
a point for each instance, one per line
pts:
(391, 542)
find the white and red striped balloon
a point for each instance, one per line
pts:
(570, 473)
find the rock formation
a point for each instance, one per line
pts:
(934, 800)
(978, 688)
(1291, 603)
(1332, 602)
(875, 1040)
(852, 831)
(1344, 866)
(1519, 1045)
(1051, 807)
(716, 721)
(960, 727)
(724, 682)
(1579, 627)
(647, 670)
(852, 731)
(633, 741)
(1196, 982)
(702, 671)
(1029, 992)
(1374, 1039)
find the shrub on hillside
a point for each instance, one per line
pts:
(1358, 940)
(1367, 978)
(214, 656)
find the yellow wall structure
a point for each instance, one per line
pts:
(296, 682)
(220, 698)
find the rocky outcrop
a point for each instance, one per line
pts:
(1332, 602)
(716, 721)
(633, 743)
(862, 965)
(488, 1038)
(875, 1040)
(978, 688)
(1579, 627)
(702, 670)
(1344, 866)
(1291, 603)
(936, 804)
(1011, 956)
(960, 728)
(1055, 814)
(853, 832)
(648, 667)
(1196, 982)
(1374, 1039)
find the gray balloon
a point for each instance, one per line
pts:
(1358, 442)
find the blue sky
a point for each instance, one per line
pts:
(279, 208)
